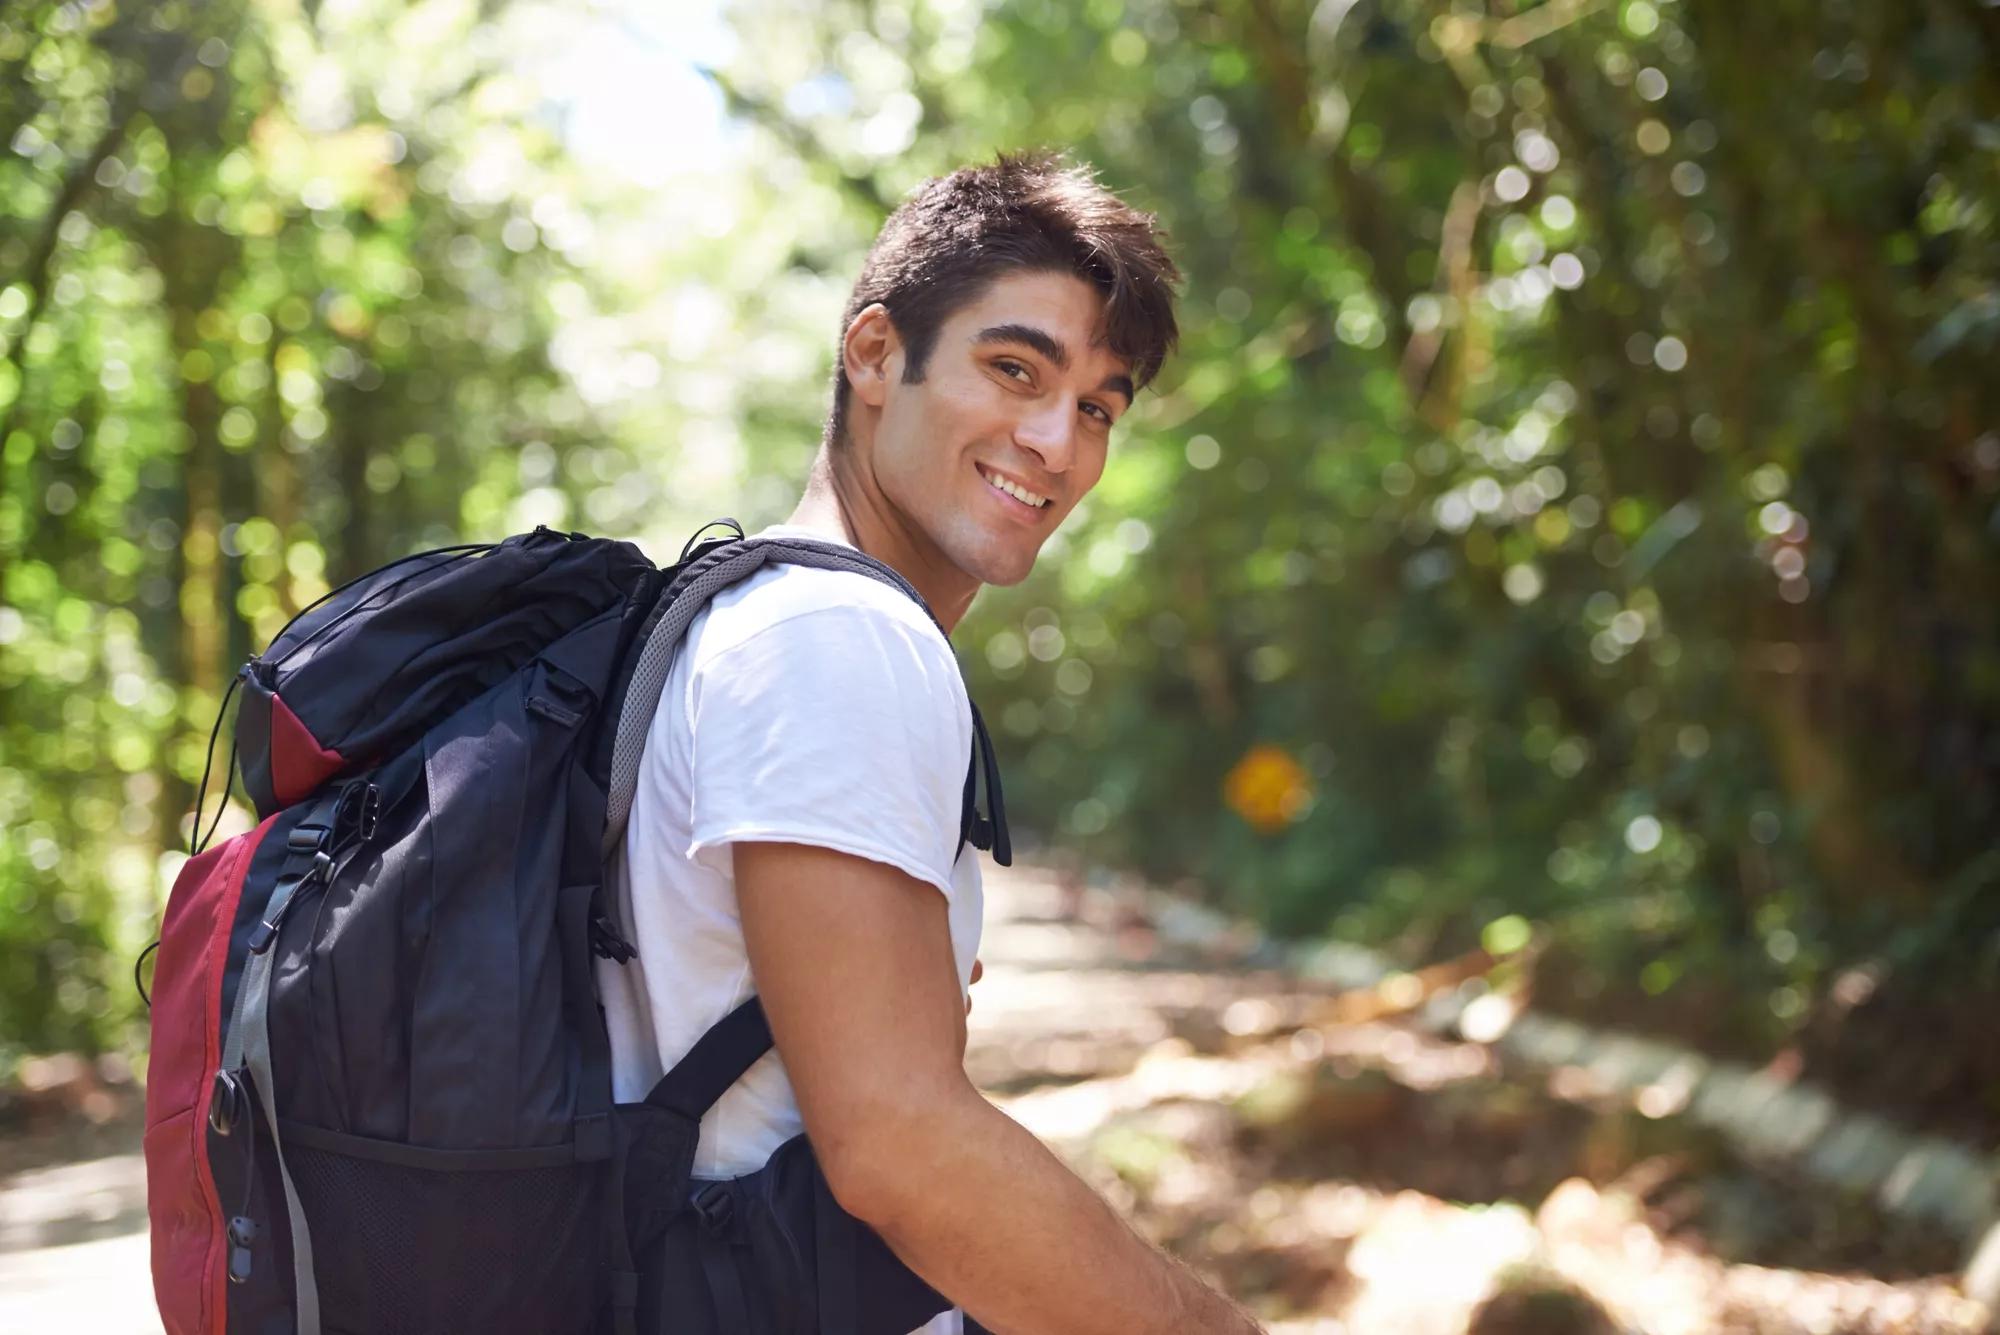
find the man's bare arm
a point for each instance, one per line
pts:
(853, 961)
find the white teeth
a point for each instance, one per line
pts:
(1019, 493)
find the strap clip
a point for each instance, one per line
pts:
(605, 942)
(306, 838)
(226, 1102)
(716, 1207)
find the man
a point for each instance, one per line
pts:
(796, 828)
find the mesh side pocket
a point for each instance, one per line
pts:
(400, 1250)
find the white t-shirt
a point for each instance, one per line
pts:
(805, 706)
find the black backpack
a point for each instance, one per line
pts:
(379, 1098)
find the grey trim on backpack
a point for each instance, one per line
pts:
(684, 599)
(249, 1042)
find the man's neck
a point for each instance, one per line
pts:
(843, 507)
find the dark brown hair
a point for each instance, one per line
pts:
(1027, 212)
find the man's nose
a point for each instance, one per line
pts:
(1049, 431)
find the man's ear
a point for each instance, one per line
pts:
(871, 353)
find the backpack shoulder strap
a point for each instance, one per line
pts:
(722, 567)
(987, 832)
(692, 588)
(718, 1060)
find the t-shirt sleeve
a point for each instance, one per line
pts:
(842, 727)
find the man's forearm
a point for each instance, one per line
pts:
(987, 1215)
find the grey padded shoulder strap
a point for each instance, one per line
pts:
(698, 582)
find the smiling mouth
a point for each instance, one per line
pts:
(1014, 490)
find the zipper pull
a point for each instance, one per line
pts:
(267, 930)
(242, 1236)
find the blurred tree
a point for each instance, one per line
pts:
(273, 310)
(1577, 497)
(1584, 458)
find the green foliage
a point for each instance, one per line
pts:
(265, 324)
(1574, 505)
(1582, 461)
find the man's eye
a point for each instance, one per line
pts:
(1011, 367)
(1102, 415)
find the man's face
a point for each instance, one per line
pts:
(1008, 429)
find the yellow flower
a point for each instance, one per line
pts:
(1268, 788)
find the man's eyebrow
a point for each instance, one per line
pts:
(1040, 340)
(1050, 347)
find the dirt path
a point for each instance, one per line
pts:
(73, 1249)
(1351, 1177)
(1370, 1176)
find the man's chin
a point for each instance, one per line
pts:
(999, 565)
(1010, 577)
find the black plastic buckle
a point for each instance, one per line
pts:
(605, 942)
(226, 1102)
(716, 1206)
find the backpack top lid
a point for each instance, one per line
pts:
(363, 673)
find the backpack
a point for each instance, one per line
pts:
(379, 1097)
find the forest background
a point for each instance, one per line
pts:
(1570, 530)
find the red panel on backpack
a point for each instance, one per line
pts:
(299, 763)
(189, 1272)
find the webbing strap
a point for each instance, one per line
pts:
(624, 1297)
(716, 1061)
(988, 832)
(724, 1277)
(290, 876)
(249, 1043)
(257, 1052)
(591, 1134)
(624, 1269)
